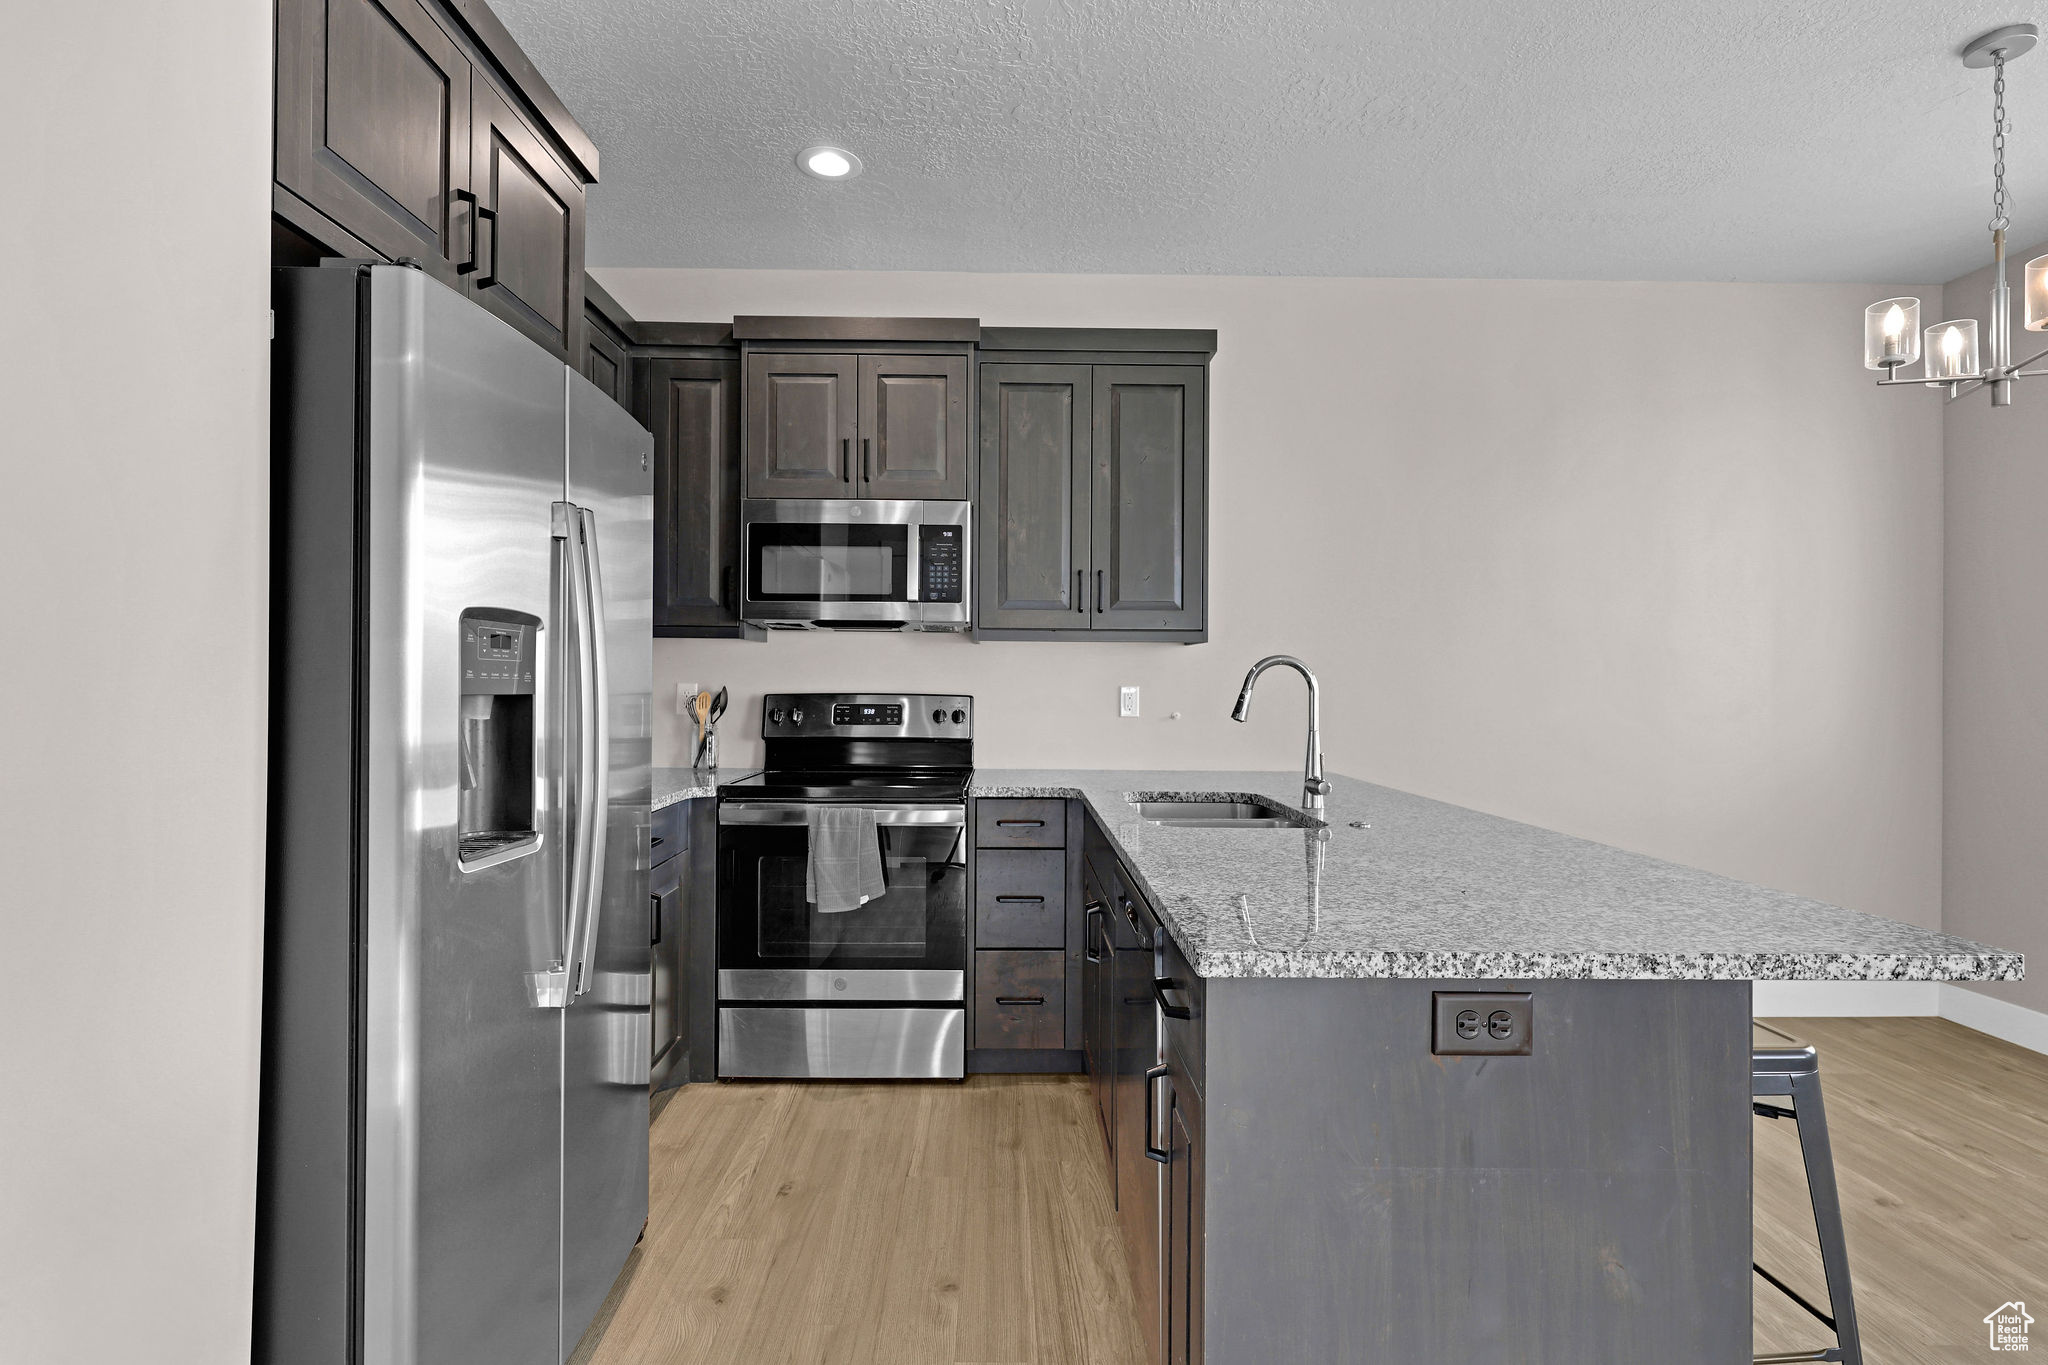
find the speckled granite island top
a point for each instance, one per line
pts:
(1402, 886)
(682, 784)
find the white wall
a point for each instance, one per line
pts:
(133, 383)
(1649, 563)
(1995, 881)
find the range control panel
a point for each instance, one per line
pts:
(867, 713)
(866, 716)
(940, 553)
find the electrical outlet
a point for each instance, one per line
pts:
(1482, 1023)
(686, 696)
(1127, 701)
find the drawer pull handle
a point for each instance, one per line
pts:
(1160, 987)
(1020, 1000)
(1027, 824)
(1020, 900)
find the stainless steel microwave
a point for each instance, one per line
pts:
(854, 564)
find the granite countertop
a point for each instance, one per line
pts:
(682, 784)
(1402, 886)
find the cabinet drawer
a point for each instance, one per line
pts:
(670, 834)
(1020, 898)
(1020, 998)
(1008, 822)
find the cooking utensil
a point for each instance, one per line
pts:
(700, 709)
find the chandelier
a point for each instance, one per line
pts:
(1948, 352)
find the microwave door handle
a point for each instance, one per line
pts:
(598, 759)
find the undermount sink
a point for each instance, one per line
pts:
(1220, 813)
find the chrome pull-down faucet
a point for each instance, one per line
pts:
(1313, 787)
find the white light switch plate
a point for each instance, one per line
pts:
(1127, 701)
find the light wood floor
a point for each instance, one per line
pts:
(1941, 1156)
(971, 1224)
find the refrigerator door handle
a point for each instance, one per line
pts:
(577, 765)
(597, 759)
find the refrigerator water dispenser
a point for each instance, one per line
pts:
(497, 787)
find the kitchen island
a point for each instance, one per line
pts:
(1335, 1180)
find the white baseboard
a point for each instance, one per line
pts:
(1873, 999)
(1999, 1018)
(1834, 999)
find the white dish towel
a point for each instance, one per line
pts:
(845, 869)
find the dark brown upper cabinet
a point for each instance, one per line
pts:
(802, 420)
(608, 338)
(373, 107)
(526, 262)
(1034, 535)
(1092, 515)
(401, 134)
(1150, 498)
(913, 426)
(692, 405)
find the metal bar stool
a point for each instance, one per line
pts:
(1794, 1072)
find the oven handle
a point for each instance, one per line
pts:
(798, 813)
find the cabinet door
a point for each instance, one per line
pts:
(373, 124)
(529, 249)
(665, 932)
(1096, 1039)
(1180, 1218)
(1151, 497)
(692, 407)
(605, 363)
(1035, 490)
(913, 426)
(1137, 1052)
(803, 416)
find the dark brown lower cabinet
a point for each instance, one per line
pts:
(1020, 998)
(1179, 1108)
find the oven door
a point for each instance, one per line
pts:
(909, 944)
(832, 561)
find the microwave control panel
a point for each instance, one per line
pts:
(939, 557)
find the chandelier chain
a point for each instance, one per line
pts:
(1999, 220)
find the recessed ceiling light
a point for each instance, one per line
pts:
(828, 163)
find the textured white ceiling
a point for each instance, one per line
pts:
(1556, 139)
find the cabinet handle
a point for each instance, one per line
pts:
(1088, 936)
(725, 589)
(1098, 576)
(1160, 986)
(1081, 591)
(1028, 824)
(468, 197)
(1020, 900)
(846, 459)
(654, 917)
(1152, 1077)
(1020, 1000)
(488, 277)
(867, 462)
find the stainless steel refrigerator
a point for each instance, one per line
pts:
(453, 1161)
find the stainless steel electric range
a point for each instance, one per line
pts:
(878, 991)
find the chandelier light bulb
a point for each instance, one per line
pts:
(1952, 350)
(1891, 334)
